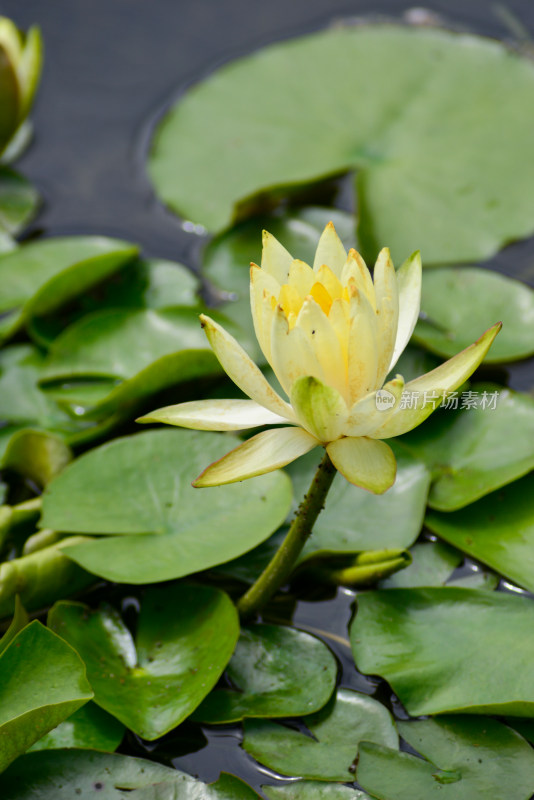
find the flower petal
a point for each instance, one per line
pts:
(387, 310)
(367, 414)
(409, 279)
(262, 287)
(301, 277)
(362, 463)
(275, 259)
(316, 326)
(215, 415)
(445, 378)
(362, 347)
(355, 269)
(292, 355)
(330, 251)
(319, 408)
(242, 370)
(265, 452)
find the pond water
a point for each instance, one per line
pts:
(111, 66)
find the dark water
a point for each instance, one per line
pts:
(111, 65)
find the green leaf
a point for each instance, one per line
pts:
(185, 637)
(36, 455)
(330, 749)
(313, 790)
(458, 304)
(226, 259)
(42, 681)
(408, 108)
(473, 451)
(90, 727)
(83, 775)
(19, 621)
(41, 276)
(10, 94)
(41, 577)
(433, 645)
(142, 485)
(228, 787)
(19, 201)
(432, 564)
(465, 758)
(497, 530)
(275, 672)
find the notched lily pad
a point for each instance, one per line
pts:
(90, 727)
(185, 637)
(276, 672)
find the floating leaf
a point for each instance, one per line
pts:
(275, 672)
(19, 621)
(465, 758)
(185, 637)
(497, 530)
(313, 790)
(36, 455)
(89, 727)
(41, 578)
(228, 787)
(42, 681)
(40, 276)
(452, 320)
(475, 450)
(142, 485)
(19, 201)
(434, 645)
(412, 110)
(331, 749)
(432, 563)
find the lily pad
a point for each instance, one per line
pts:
(475, 450)
(432, 564)
(19, 201)
(376, 98)
(19, 621)
(457, 304)
(142, 485)
(465, 758)
(313, 790)
(36, 455)
(328, 751)
(438, 648)
(42, 681)
(226, 259)
(185, 637)
(228, 787)
(275, 672)
(497, 530)
(90, 727)
(40, 276)
(355, 520)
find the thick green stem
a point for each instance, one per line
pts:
(281, 566)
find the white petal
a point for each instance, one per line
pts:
(215, 415)
(374, 409)
(265, 452)
(301, 277)
(275, 259)
(445, 378)
(292, 355)
(262, 287)
(409, 279)
(242, 370)
(314, 323)
(387, 310)
(362, 463)
(330, 251)
(362, 348)
(319, 408)
(355, 269)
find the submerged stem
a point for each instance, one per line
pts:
(281, 566)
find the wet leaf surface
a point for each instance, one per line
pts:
(90, 727)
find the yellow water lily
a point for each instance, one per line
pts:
(20, 68)
(332, 334)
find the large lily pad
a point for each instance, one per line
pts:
(42, 681)
(185, 637)
(412, 110)
(475, 450)
(142, 485)
(432, 564)
(39, 277)
(497, 530)
(458, 304)
(228, 787)
(313, 790)
(331, 750)
(465, 758)
(448, 649)
(275, 672)
(90, 727)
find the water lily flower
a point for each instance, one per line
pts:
(20, 68)
(332, 334)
